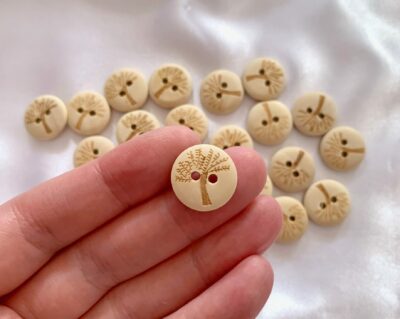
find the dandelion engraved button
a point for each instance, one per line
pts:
(204, 177)
(46, 117)
(268, 187)
(231, 135)
(327, 202)
(91, 148)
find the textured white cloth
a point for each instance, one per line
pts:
(350, 49)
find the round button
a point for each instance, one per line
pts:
(189, 116)
(170, 86)
(231, 135)
(295, 220)
(88, 113)
(292, 169)
(91, 148)
(327, 202)
(221, 92)
(269, 123)
(268, 187)
(204, 177)
(314, 113)
(46, 117)
(264, 79)
(342, 148)
(126, 90)
(135, 123)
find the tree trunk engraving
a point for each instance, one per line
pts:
(138, 123)
(118, 86)
(172, 78)
(87, 105)
(38, 113)
(205, 198)
(272, 128)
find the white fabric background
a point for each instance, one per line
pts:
(350, 49)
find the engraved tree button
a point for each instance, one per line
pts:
(295, 220)
(126, 90)
(314, 113)
(342, 148)
(204, 177)
(221, 92)
(269, 123)
(231, 135)
(135, 123)
(327, 202)
(170, 86)
(268, 187)
(190, 116)
(91, 148)
(88, 113)
(292, 169)
(46, 117)
(264, 79)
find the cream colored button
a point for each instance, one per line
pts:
(292, 169)
(88, 113)
(126, 90)
(135, 123)
(270, 122)
(231, 135)
(342, 148)
(314, 113)
(268, 187)
(327, 202)
(264, 79)
(189, 116)
(221, 92)
(295, 220)
(204, 177)
(46, 117)
(170, 86)
(91, 148)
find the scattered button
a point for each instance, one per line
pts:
(231, 135)
(268, 187)
(91, 148)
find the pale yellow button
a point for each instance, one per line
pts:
(88, 113)
(295, 220)
(314, 113)
(126, 90)
(221, 92)
(46, 117)
(135, 123)
(91, 148)
(264, 79)
(342, 148)
(292, 169)
(268, 187)
(231, 135)
(189, 116)
(170, 85)
(327, 202)
(269, 123)
(204, 177)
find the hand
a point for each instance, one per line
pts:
(111, 240)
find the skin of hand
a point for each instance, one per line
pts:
(111, 240)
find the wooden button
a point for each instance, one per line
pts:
(221, 92)
(126, 90)
(231, 135)
(327, 202)
(135, 123)
(88, 113)
(269, 123)
(314, 113)
(91, 148)
(268, 187)
(264, 79)
(189, 116)
(204, 177)
(170, 86)
(46, 117)
(295, 220)
(342, 148)
(292, 169)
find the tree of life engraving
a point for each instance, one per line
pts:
(201, 167)
(271, 74)
(314, 119)
(39, 111)
(174, 79)
(333, 207)
(119, 85)
(294, 222)
(272, 127)
(87, 105)
(137, 123)
(337, 152)
(229, 138)
(289, 173)
(214, 91)
(189, 118)
(86, 153)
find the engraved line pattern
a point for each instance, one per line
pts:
(272, 127)
(214, 91)
(294, 223)
(138, 123)
(189, 117)
(87, 105)
(231, 137)
(87, 152)
(272, 76)
(288, 173)
(174, 79)
(334, 207)
(39, 111)
(119, 84)
(315, 120)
